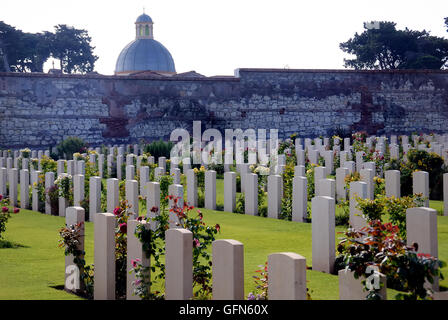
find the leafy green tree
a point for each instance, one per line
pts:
(72, 47)
(388, 48)
(36, 50)
(21, 51)
(27, 52)
(9, 39)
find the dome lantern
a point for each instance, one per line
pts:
(144, 27)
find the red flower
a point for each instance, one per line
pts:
(5, 209)
(1, 196)
(117, 211)
(16, 210)
(140, 218)
(196, 243)
(123, 227)
(154, 209)
(134, 262)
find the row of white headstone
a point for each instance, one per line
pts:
(287, 270)
(313, 152)
(249, 182)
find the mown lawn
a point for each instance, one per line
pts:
(36, 266)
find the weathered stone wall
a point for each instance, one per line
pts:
(39, 110)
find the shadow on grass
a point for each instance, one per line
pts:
(5, 244)
(61, 287)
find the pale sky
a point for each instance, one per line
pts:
(216, 37)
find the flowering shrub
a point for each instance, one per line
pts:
(336, 160)
(379, 186)
(165, 181)
(5, 213)
(287, 147)
(153, 242)
(203, 236)
(310, 179)
(378, 158)
(53, 198)
(34, 163)
(261, 284)
(380, 245)
(200, 175)
(342, 219)
(392, 206)
(288, 175)
(336, 138)
(41, 192)
(70, 240)
(359, 139)
(240, 204)
(26, 153)
(352, 177)
(48, 164)
(420, 160)
(433, 164)
(262, 173)
(64, 182)
(142, 284)
(122, 214)
(152, 168)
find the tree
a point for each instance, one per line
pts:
(27, 52)
(9, 37)
(36, 49)
(388, 48)
(21, 51)
(72, 47)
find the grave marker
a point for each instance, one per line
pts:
(323, 233)
(299, 199)
(104, 259)
(24, 189)
(287, 276)
(229, 191)
(94, 197)
(178, 264)
(357, 189)
(228, 270)
(420, 184)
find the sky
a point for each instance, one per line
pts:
(215, 37)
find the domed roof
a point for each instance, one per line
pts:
(145, 54)
(143, 18)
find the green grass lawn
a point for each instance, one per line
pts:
(33, 268)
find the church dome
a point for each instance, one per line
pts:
(143, 18)
(144, 53)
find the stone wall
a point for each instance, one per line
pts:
(39, 110)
